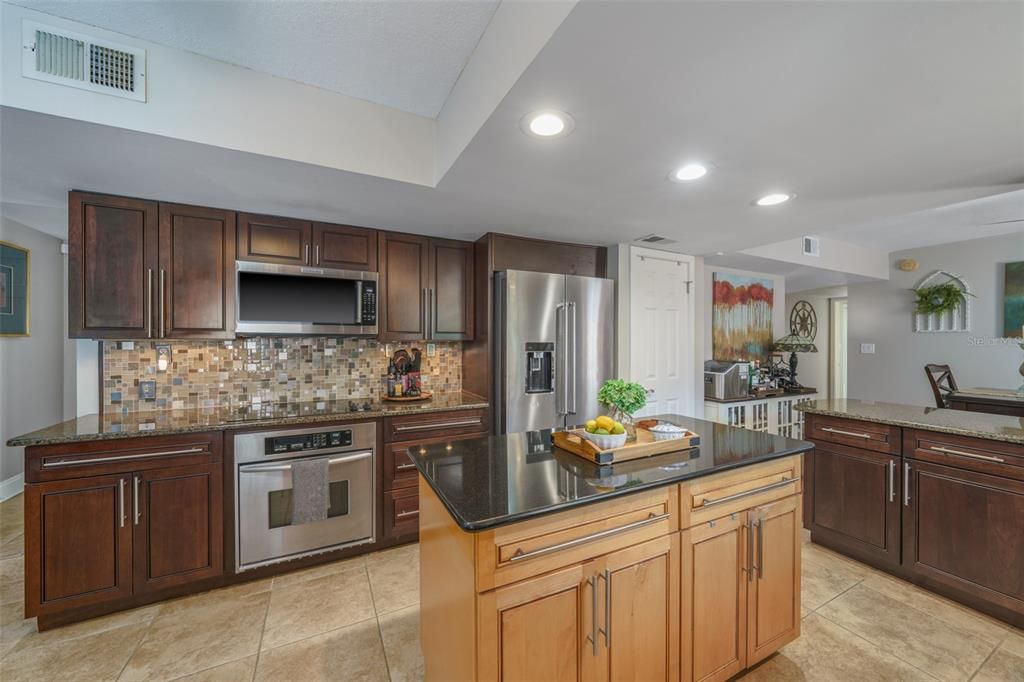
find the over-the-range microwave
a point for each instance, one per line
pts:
(294, 299)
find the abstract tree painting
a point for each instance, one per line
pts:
(1013, 300)
(741, 318)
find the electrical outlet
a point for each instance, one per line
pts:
(127, 345)
(867, 349)
(147, 390)
(431, 349)
(163, 356)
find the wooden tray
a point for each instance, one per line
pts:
(425, 395)
(643, 446)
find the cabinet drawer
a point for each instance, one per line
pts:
(401, 512)
(420, 427)
(974, 454)
(858, 434)
(399, 471)
(58, 462)
(722, 494)
(511, 553)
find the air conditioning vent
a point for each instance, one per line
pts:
(812, 246)
(80, 61)
(656, 239)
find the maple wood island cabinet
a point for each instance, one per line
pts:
(537, 564)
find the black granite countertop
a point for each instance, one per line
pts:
(974, 424)
(488, 482)
(166, 422)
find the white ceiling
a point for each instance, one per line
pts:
(405, 54)
(866, 110)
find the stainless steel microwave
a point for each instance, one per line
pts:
(294, 299)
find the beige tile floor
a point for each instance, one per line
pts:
(358, 620)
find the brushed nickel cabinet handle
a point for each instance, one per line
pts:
(961, 453)
(708, 502)
(317, 254)
(149, 303)
(520, 555)
(840, 432)
(305, 253)
(592, 637)
(750, 550)
(760, 548)
(407, 514)
(607, 608)
(120, 500)
(162, 277)
(438, 425)
(135, 499)
(892, 480)
(119, 458)
(405, 467)
(906, 484)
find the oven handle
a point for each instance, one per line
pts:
(246, 468)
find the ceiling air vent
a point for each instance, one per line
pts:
(812, 246)
(80, 61)
(656, 239)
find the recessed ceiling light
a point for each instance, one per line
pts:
(691, 171)
(773, 199)
(547, 124)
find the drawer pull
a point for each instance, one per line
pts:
(407, 514)
(405, 467)
(120, 458)
(521, 555)
(437, 425)
(852, 434)
(729, 498)
(950, 451)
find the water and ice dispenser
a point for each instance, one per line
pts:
(540, 367)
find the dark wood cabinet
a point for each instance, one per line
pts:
(112, 261)
(196, 279)
(450, 290)
(344, 247)
(78, 543)
(270, 239)
(178, 522)
(854, 501)
(427, 288)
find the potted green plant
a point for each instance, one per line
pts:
(624, 399)
(939, 298)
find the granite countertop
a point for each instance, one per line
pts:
(497, 480)
(959, 422)
(784, 394)
(159, 423)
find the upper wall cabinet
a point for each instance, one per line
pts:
(270, 239)
(112, 245)
(427, 288)
(140, 270)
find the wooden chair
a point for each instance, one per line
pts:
(941, 379)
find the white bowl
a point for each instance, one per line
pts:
(609, 442)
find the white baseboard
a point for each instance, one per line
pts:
(11, 487)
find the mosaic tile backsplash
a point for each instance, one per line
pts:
(247, 372)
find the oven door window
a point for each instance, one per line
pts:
(279, 504)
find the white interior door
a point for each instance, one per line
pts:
(837, 348)
(661, 330)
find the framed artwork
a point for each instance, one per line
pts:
(14, 290)
(1013, 300)
(741, 317)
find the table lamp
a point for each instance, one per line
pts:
(794, 343)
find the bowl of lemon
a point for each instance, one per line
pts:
(605, 433)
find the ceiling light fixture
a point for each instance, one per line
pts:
(773, 199)
(691, 171)
(547, 124)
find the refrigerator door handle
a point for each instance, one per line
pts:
(570, 367)
(561, 385)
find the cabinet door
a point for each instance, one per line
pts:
(402, 303)
(196, 281)
(112, 247)
(963, 529)
(78, 543)
(773, 597)
(270, 239)
(178, 521)
(537, 629)
(401, 513)
(641, 595)
(450, 293)
(714, 614)
(344, 247)
(855, 503)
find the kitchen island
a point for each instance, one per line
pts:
(934, 496)
(538, 564)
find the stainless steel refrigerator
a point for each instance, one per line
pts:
(554, 347)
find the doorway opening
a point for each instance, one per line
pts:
(837, 348)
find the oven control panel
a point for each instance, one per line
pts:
(308, 441)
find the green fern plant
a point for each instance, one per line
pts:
(939, 298)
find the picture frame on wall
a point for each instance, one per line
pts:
(1013, 300)
(15, 285)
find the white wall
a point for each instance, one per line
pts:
(812, 368)
(835, 255)
(780, 321)
(881, 313)
(32, 368)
